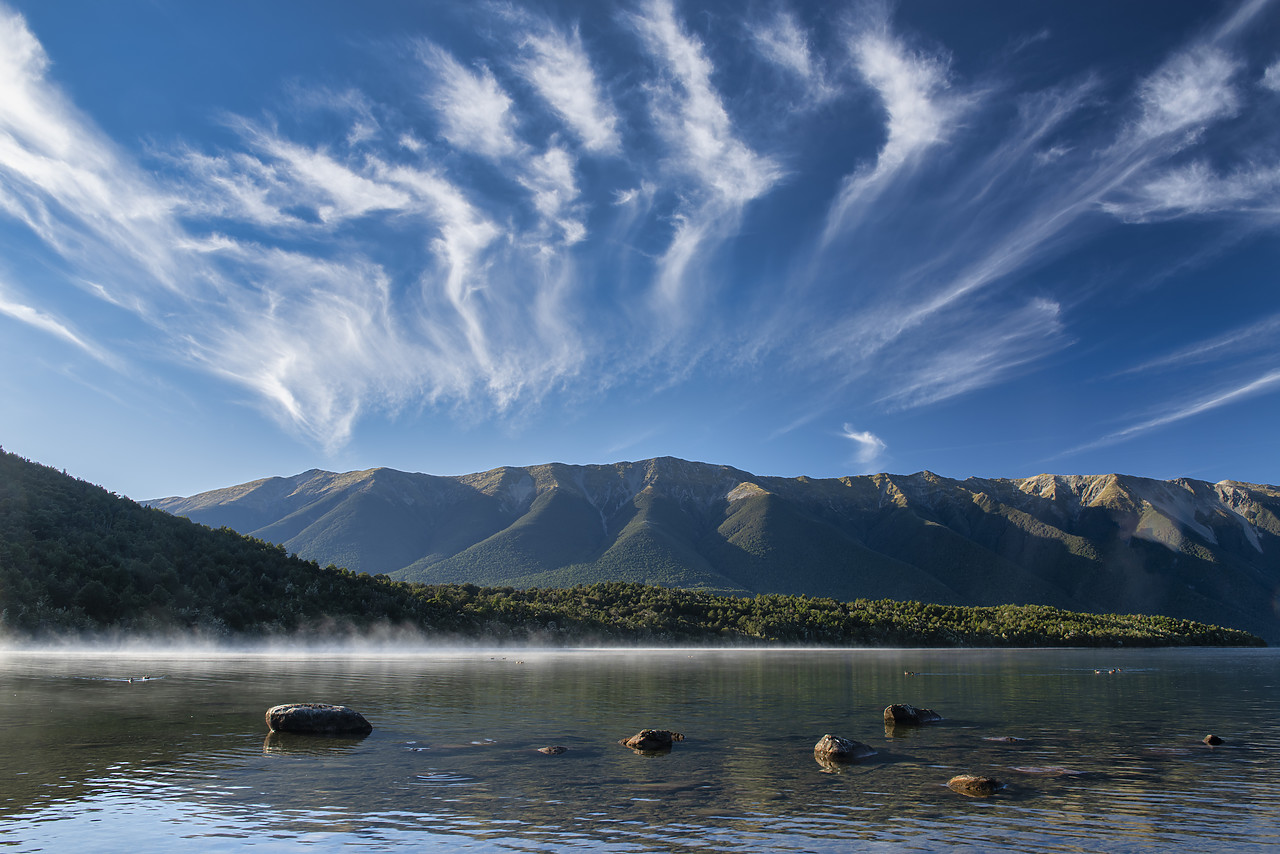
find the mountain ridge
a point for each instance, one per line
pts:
(1105, 543)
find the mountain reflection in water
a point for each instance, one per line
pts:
(1090, 760)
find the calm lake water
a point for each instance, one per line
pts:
(182, 762)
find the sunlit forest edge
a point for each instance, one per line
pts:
(77, 560)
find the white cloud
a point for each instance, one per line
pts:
(703, 145)
(786, 44)
(920, 112)
(46, 323)
(692, 117)
(1196, 189)
(551, 181)
(475, 111)
(975, 354)
(1265, 383)
(62, 178)
(1190, 91)
(558, 68)
(870, 447)
(321, 331)
(1271, 77)
(1261, 336)
(1017, 206)
(360, 262)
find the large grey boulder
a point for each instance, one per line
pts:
(833, 748)
(317, 719)
(902, 713)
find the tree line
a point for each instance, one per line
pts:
(77, 559)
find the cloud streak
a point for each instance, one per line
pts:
(557, 66)
(921, 114)
(53, 326)
(703, 146)
(1262, 384)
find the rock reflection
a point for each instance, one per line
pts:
(289, 743)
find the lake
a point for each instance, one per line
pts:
(182, 761)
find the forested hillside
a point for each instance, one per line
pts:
(76, 560)
(1105, 544)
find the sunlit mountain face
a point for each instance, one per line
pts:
(1104, 544)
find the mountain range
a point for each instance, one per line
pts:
(1107, 544)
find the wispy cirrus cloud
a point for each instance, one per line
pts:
(476, 113)
(785, 43)
(325, 329)
(556, 64)
(552, 181)
(1265, 383)
(20, 311)
(921, 112)
(950, 368)
(564, 207)
(1191, 90)
(1031, 195)
(64, 179)
(702, 145)
(1197, 189)
(1262, 336)
(1271, 77)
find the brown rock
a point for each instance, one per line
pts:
(901, 713)
(975, 786)
(833, 748)
(317, 719)
(1211, 740)
(653, 740)
(552, 751)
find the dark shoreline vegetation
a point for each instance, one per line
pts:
(76, 559)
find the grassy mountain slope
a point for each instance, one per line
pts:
(1109, 543)
(76, 559)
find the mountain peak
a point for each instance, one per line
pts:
(1113, 543)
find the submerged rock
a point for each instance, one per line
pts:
(653, 740)
(317, 719)
(902, 713)
(552, 751)
(975, 786)
(833, 748)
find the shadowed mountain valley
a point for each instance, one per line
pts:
(78, 562)
(1103, 544)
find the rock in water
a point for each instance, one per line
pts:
(555, 750)
(1211, 740)
(653, 740)
(833, 748)
(975, 786)
(317, 719)
(901, 713)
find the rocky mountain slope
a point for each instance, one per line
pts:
(1107, 543)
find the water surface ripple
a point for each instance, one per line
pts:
(1100, 751)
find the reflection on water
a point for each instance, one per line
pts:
(1090, 760)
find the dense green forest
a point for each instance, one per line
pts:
(76, 559)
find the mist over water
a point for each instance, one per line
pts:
(182, 760)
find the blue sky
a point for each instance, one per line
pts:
(243, 239)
